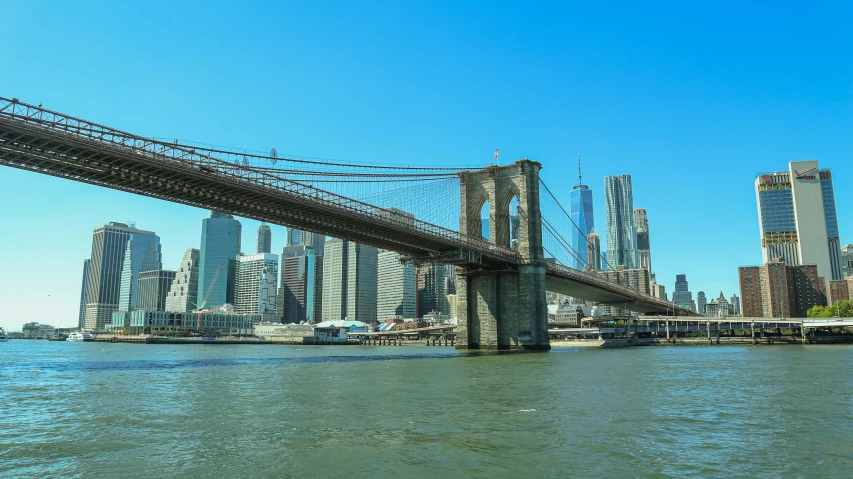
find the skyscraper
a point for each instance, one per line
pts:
(701, 301)
(734, 300)
(847, 260)
(301, 291)
(220, 245)
(82, 315)
(641, 223)
(103, 286)
(183, 293)
(264, 239)
(797, 219)
(621, 236)
(153, 288)
(397, 294)
(433, 289)
(349, 281)
(297, 237)
(593, 251)
(581, 214)
(142, 254)
(682, 296)
(256, 285)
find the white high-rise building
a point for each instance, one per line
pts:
(183, 294)
(619, 213)
(797, 218)
(397, 295)
(349, 281)
(256, 284)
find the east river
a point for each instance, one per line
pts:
(92, 410)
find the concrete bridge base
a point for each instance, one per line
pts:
(503, 310)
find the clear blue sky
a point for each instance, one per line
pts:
(691, 100)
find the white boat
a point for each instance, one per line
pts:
(3, 336)
(81, 336)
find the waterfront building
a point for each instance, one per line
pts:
(220, 245)
(434, 283)
(619, 212)
(701, 301)
(682, 296)
(103, 284)
(142, 253)
(735, 303)
(779, 290)
(641, 225)
(256, 284)
(166, 323)
(296, 237)
(637, 278)
(301, 291)
(349, 281)
(847, 260)
(797, 218)
(397, 293)
(452, 301)
(264, 244)
(581, 213)
(593, 251)
(183, 292)
(82, 314)
(838, 291)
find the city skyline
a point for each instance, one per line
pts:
(704, 106)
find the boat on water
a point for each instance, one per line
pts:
(81, 336)
(3, 336)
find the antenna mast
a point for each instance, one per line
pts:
(580, 178)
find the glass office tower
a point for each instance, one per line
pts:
(220, 244)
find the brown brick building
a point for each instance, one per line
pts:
(778, 290)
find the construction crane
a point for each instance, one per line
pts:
(207, 295)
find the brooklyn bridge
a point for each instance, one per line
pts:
(427, 214)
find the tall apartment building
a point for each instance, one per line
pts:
(103, 285)
(153, 288)
(641, 225)
(637, 278)
(301, 289)
(256, 284)
(581, 212)
(839, 290)
(593, 251)
(349, 281)
(81, 317)
(220, 245)
(659, 291)
(142, 254)
(847, 260)
(621, 235)
(396, 286)
(681, 295)
(296, 237)
(779, 290)
(701, 301)
(797, 218)
(264, 243)
(183, 293)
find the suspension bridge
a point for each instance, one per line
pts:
(430, 215)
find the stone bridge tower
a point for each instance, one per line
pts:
(503, 308)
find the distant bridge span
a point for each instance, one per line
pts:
(35, 139)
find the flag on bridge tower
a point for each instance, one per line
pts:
(496, 154)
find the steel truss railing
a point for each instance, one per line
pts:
(227, 164)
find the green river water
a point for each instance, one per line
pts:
(92, 410)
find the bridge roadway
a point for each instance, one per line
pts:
(36, 139)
